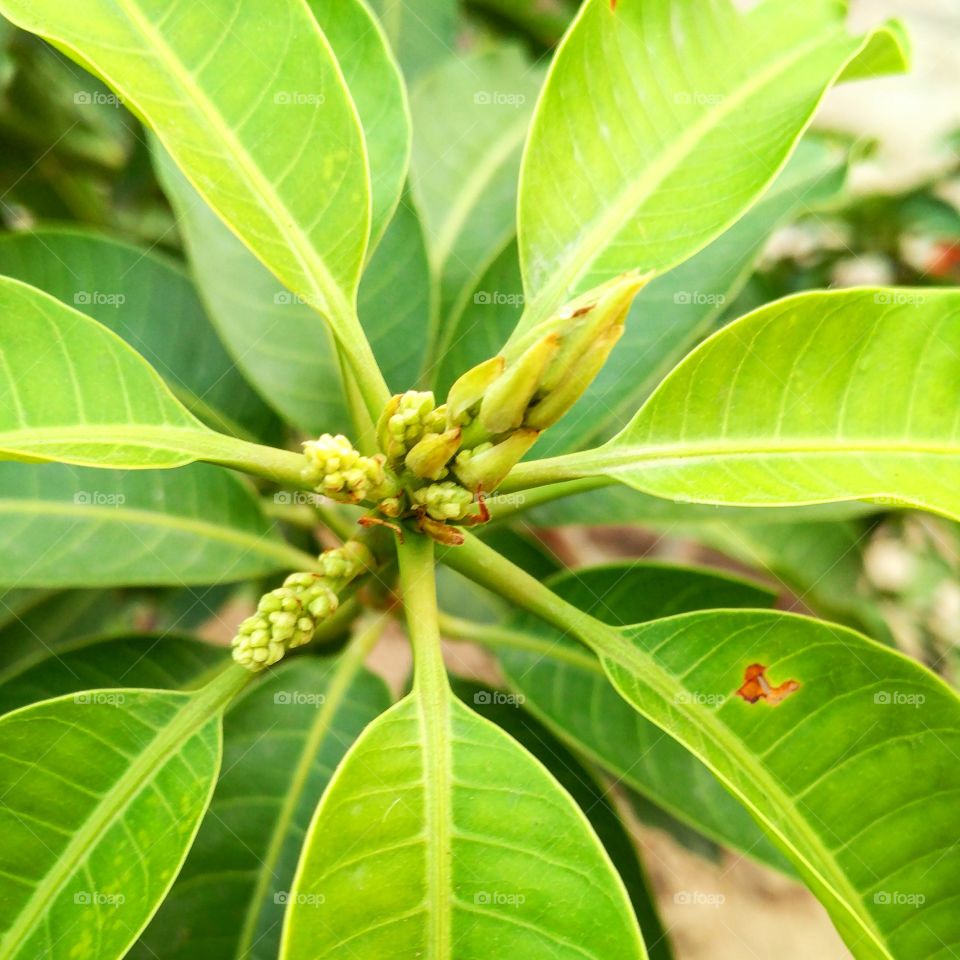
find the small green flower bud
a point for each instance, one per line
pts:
(336, 469)
(328, 455)
(429, 458)
(392, 507)
(404, 421)
(505, 403)
(346, 562)
(487, 466)
(444, 501)
(468, 391)
(286, 618)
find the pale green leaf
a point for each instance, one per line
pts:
(422, 32)
(282, 741)
(280, 343)
(463, 845)
(103, 793)
(149, 302)
(67, 527)
(819, 397)
(564, 685)
(470, 120)
(377, 88)
(257, 115)
(72, 390)
(651, 138)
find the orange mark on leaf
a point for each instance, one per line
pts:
(756, 686)
(613, 5)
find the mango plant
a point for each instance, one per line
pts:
(407, 322)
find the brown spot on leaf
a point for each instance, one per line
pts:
(756, 686)
(613, 5)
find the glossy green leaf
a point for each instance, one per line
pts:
(844, 751)
(564, 686)
(674, 312)
(377, 88)
(103, 793)
(668, 317)
(422, 32)
(471, 117)
(279, 342)
(644, 105)
(67, 527)
(589, 796)
(463, 845)
(819, 397)
(157, 661)
(816, 769)
(149, 302)
(282, 741)
(280, 156)
(72, 390)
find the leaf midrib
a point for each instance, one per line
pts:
(618, 214)
(622, 652)
(194, 716)
(314, 269)
(124, 515)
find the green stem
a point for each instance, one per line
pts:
(539, 473)
(369, 378)
(503, 506)
(497, 637)
(418, 583)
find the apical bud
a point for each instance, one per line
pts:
(505, 402)
(486, 467)
(429, 458)
(470, 388)
(346, 562)
(405, 419)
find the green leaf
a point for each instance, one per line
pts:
(64, 527)
(815, 768)
(261, 122)
(642, 107)
(588, 796)
(778, 408)
(565, 687)
(463, 846)
(149, 302)
(280, 343)
(72, 390)
(674, 312)
(809, 749)
(422, 32)
(157, 661)
(471, 117)
(377, 88)
(103, 793)
(282, 741)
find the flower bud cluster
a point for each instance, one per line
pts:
(286, 618)
(336, 469)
